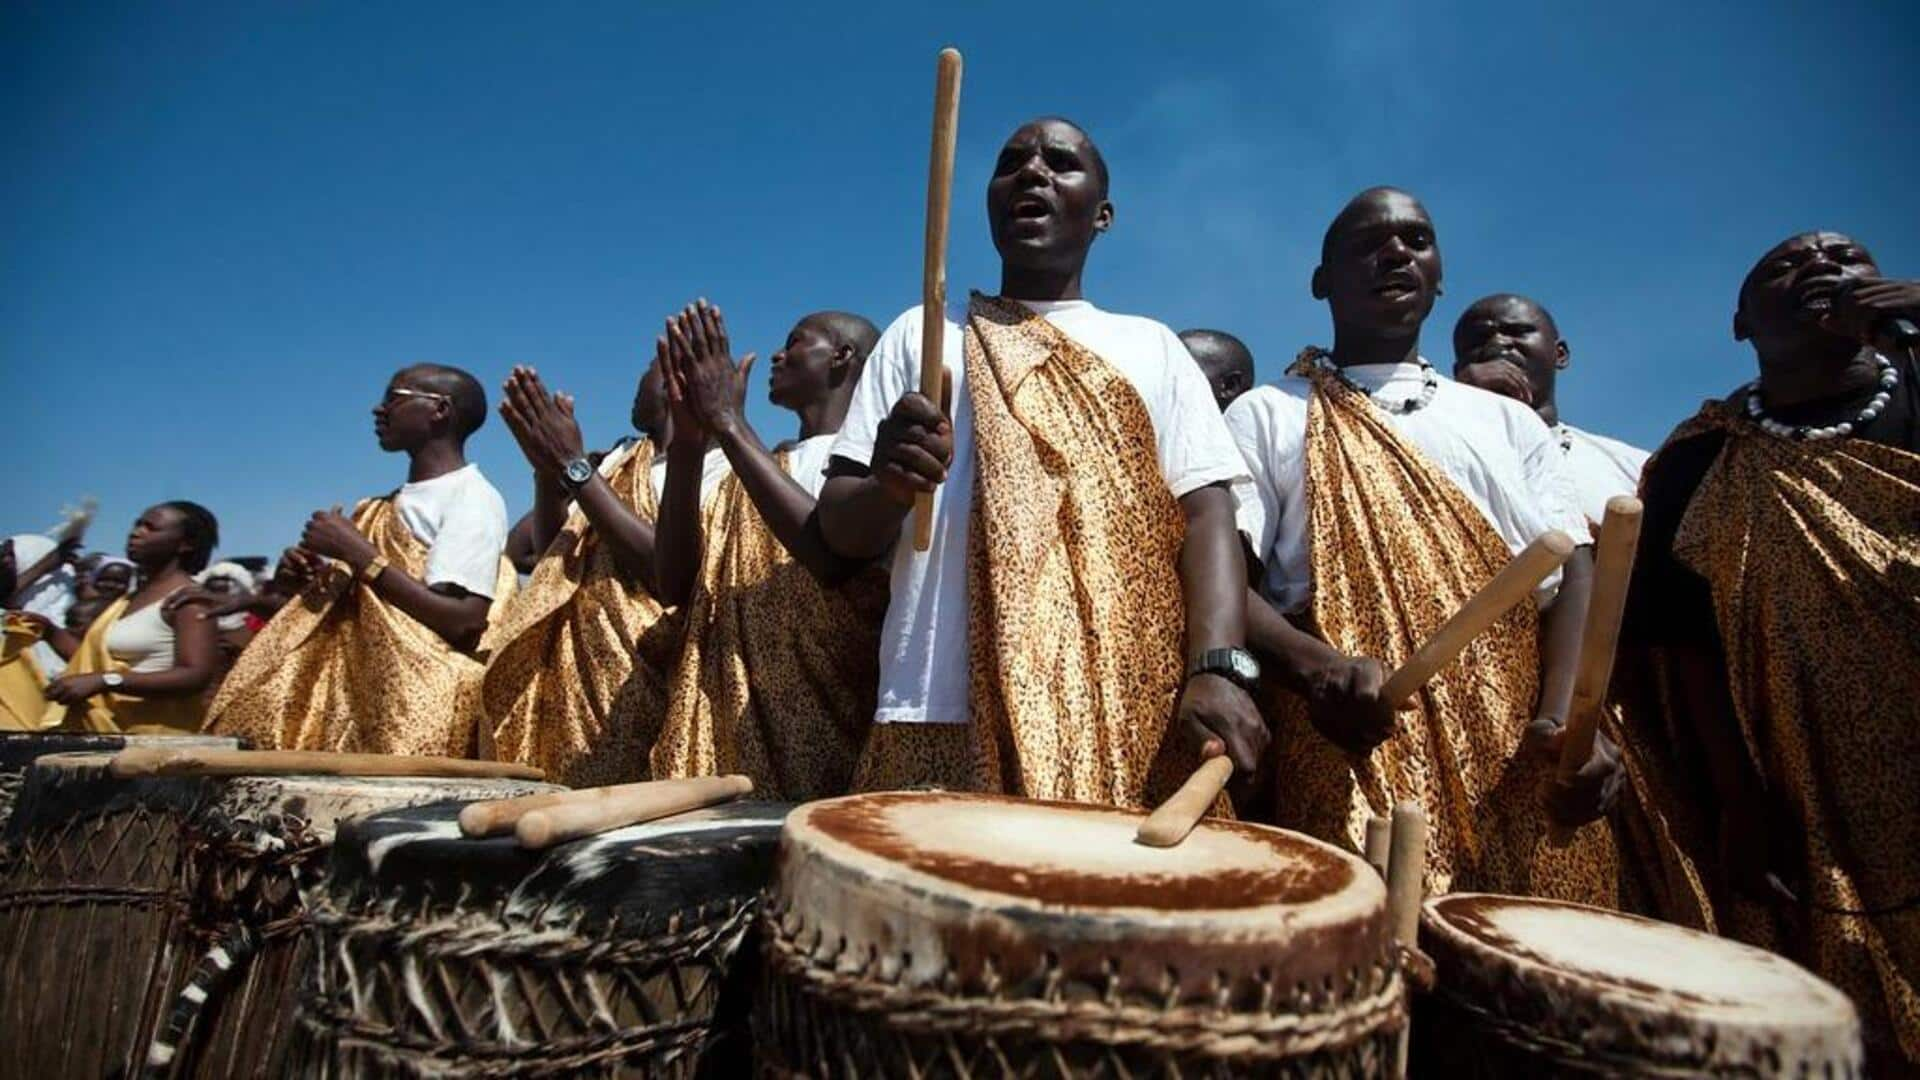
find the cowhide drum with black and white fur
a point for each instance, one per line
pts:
(624, 954)
(19, 749)
(158, 921)
(1528, 987)
(946, 935)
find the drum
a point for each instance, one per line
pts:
(948, 935)
(1530, 987)
(19, 749)
(162, 913)
(624, 954)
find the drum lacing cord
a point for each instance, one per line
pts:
(1528, 1035)
(327, 1019)
(1244, 1036)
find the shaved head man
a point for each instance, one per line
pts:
(1224, 359)
(1510, 345)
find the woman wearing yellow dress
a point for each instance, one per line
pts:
(141, 667)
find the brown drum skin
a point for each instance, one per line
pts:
(1492, 1017)
(121, 893)
(1027, 988)
(627, 954)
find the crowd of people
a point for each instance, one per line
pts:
(1135, 557)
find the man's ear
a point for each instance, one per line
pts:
(1562, 355)
(1318, 283)
(842, 358)
(1103, 217)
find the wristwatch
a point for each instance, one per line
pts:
(576, 474)
(1236, 665)
(113, 680)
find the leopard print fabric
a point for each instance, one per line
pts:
(1397, 549)
(1076, 617)
(340, 669)
(778, 673)
(576, 680)
(1812, 553)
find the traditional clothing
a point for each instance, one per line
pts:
(576, 682)
(776, 677)
(23, 685)
(1599, 467)
(342, 669)
(1057, 533)
(1798, 564)
(1382, 525)
(140, 642)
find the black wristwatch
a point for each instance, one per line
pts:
(1236, 665)
(576, 474)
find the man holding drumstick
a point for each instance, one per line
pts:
(1388, 497)
(1083, 595)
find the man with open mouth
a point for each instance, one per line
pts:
(1081, 607)
(1511, 345)
(1777, 592)
(1388, 496)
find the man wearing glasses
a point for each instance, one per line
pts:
(376, 654)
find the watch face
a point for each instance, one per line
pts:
(579, 471)
(1245, 666)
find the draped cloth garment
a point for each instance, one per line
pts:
(1076, 617)
(23, 686)
(777, 675)
(161, 714)
(341, 669)
(1812, 553)
(578, 663)
(1397, 549)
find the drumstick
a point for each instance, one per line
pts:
(599, 810)
(495, 816)
(1172, 820)
(1379, 843)
(150, 761)
(1514, 583)
(1612, 570)
(933, 274)
(1406, 871)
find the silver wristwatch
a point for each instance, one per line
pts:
(1237, 665)
(577, 473)
(113, 679)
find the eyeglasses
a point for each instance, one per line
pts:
(396, 393)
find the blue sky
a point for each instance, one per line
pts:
(224, 226)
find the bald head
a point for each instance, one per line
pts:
(1224, 359)
(1368, 206)
(468, 397)
(1379, 269)
(844, 328)
(1510, 345)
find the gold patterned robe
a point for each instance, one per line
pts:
(576, 679)
(1397, 548)
(1812, 553)
(1076, 617)
(341, 669)
(778, 672)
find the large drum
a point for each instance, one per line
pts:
(1530, 987)
(945, 935)
(19, 749)
(624, 954)
(163, 913)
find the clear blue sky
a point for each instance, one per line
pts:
(223, 226)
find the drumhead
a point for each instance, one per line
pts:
(18, 749)
(933, 888)
(634, 876)
(1645, 973)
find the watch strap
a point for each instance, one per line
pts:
(374, 568)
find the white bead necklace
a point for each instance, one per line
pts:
(1889, 378)
(1429, 385)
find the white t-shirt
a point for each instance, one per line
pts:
(1497, 450)
(1601, 468)
(463, 521)
(713, 469)
(807, 462)
(923, 642)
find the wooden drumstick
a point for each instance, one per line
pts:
(151, 761)
(1172, 820)
(1406, 872)
(1599, 639)
(1379, 843)
(602, 809)
(1513, 584)
(933, 275)
(496, 816)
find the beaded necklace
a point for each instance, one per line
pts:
(1889, 378)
